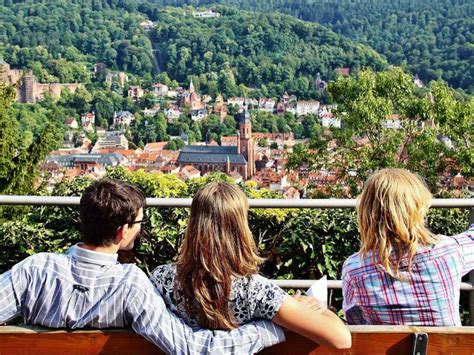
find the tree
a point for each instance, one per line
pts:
(8, 138)
(81, 100)
(263, 143)
(163, 78)
(387, 122)
(148, 100)
(227, 84)
(18, 163)
(175, 144)
(161, 125)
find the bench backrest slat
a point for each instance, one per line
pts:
(365, 340)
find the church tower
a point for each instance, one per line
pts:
(246, 141)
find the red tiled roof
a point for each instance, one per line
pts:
(344, 71)
(156, 145)
(148, 156)
(228, 138)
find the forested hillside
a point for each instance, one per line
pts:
(435, 38)
(54, 37)
(272, 52)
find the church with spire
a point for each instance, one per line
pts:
(228, 159)
(191, 98)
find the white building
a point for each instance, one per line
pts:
(279, 185)
(71, 122)
(266, 105)
(88, 126)
(307, 107)
(198, 114)
(417, 81)
(206, 14)
(446, 140)
(87, 117)
(147, 25)
(150, 112)
(190, 172)
(329, 120)
(123, 118)
(392, 122)
(135, 93)
(159, 89)
(112, 139)
(239, 101)
(172, 113)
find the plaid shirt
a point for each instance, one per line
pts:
(429, 295)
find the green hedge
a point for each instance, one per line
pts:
(298, 243)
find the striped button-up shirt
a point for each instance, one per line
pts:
(428, 296)
(84, 288)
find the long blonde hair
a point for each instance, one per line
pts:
(391, 214)
(218, 245)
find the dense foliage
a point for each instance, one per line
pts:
(434, 38)
(22, 146)
(271, 52)
(57, 38)
(433, 134)
(299, 243)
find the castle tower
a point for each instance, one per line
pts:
(4, 70)
(246, 141)
(28, 88)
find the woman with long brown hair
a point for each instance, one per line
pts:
(403, 273)
(215, 282)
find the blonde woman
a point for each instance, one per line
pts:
(403, 274)
(215, 282)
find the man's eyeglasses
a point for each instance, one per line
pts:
(144, 220)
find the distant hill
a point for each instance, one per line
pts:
(36, 34)
(270, 52)
(434, 38)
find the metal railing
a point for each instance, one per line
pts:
(263, 203)
(253, 203)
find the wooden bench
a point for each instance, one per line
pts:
(365, 340)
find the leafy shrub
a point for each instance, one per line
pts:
(297, 243)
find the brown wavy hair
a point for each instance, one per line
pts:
(391, 215)
(218, 246)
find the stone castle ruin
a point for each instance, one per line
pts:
(28, 89)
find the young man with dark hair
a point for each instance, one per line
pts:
(87, 287)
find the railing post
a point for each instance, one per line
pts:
(471, 280)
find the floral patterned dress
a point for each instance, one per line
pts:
(251, 297)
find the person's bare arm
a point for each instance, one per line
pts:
(310, 301)
(314, 304)
(321, 327)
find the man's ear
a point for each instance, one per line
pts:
(121, 233)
